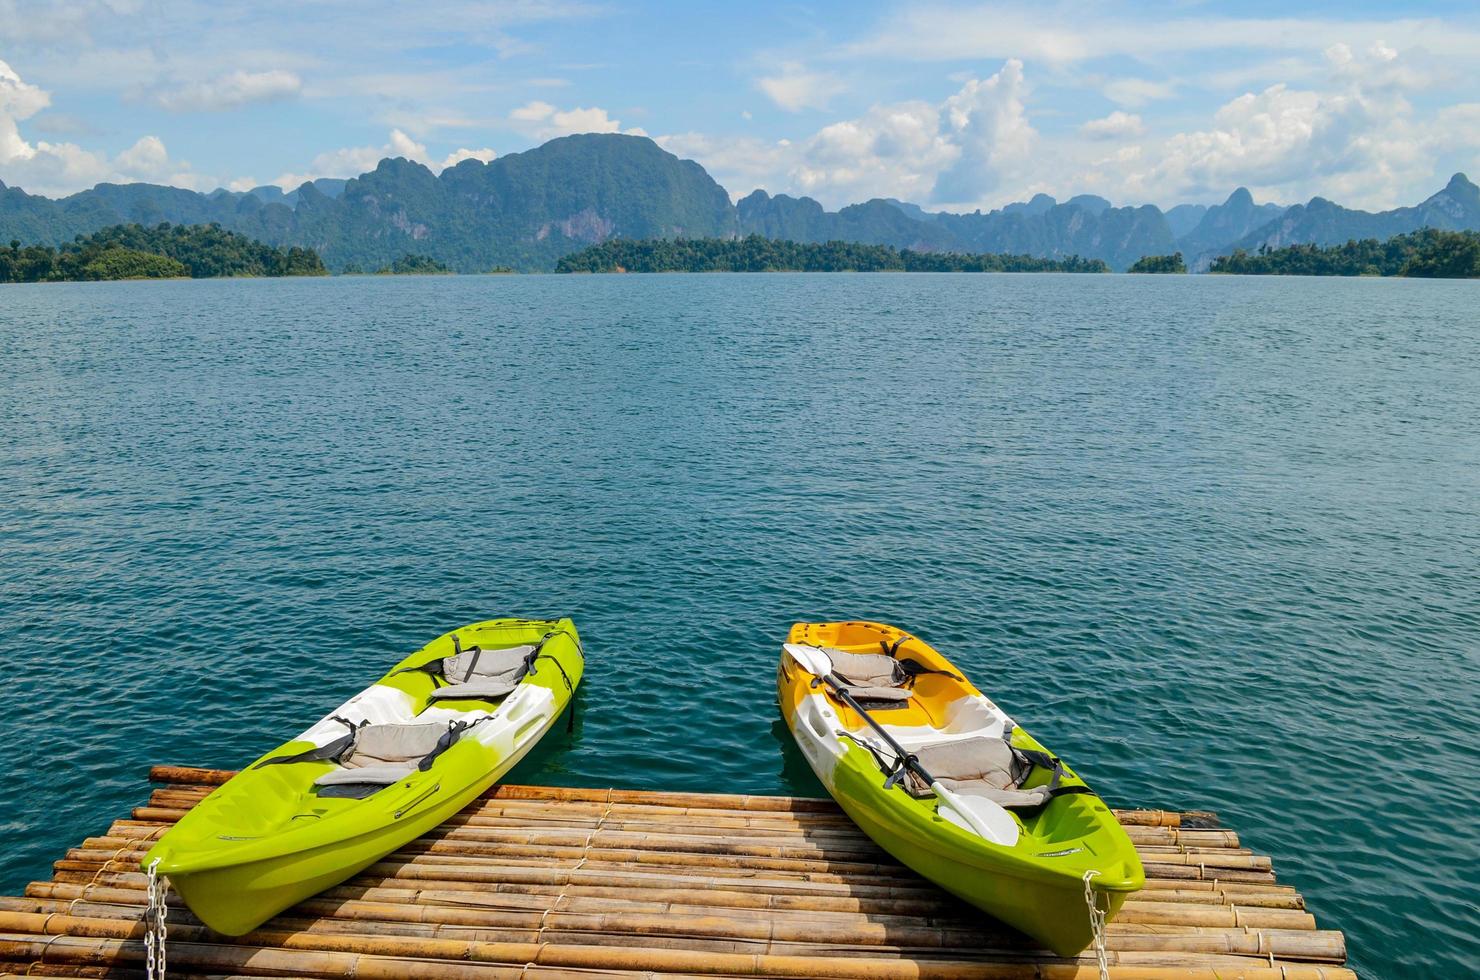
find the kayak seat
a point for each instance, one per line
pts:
(980, 767)
(385, 754)
(483, 675)
(870, 676)
(381, 775)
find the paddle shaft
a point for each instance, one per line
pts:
(906, 759)
(823, 673)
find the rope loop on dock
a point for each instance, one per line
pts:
(103, 868)
(1096, 924)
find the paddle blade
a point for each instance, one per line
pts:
(982, 817)
(810, 659)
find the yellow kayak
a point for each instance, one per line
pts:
(945, 781)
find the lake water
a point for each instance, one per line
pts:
(1216, 540)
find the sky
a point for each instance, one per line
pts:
(952, 105)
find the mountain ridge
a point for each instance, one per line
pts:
(526, 210)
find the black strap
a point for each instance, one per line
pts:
(1071, 790)
(892, 649)
(535, 654)
(328, 752)
(448, 739)
(437, 669)
(912, 669)
(894, 770)
(1043, 760)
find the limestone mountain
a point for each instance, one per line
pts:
(1224, 224)
(526, 210)
(523, 210)
(876, 222)
(1323, 222)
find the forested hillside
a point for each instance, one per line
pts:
(755, 253)
(163, 252)
(1427, 254)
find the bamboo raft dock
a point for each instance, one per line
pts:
(538, 882)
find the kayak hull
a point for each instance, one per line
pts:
(263, 841)
(237, 898)
(1037, 884)
(1051, 911)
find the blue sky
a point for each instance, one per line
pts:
(951, 104)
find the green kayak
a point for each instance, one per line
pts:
(383, 768)
(1000, 822)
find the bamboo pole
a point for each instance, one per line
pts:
(727, 801)
(579, 813)
(95, 868)
(450, 874)
(512, 910)
(343, 952)
(432, 914)
(95, 861)
(164, 808)
(857, 850)
(595, 872)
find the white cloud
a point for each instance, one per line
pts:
(956, 151)
(463, 153)
(57, 169)
(794, 88)
(1117, 125)
(740, 164)
(352, 161)
(232, 91)
(956, 32)
(544, 121)
(989, 121)
(1459, 126)
(148, 155)
(1356, 139)
(1136, 92)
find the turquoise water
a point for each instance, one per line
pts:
(1216, 540)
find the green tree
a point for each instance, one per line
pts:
(415, 265)
(1159, 264)
(754, 253)
(136, 252)
(115, 262)
(1428, 253)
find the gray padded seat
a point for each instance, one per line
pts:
(381, 775)
(983, 767)
(869, 676)
(383, 754)
(483, 674)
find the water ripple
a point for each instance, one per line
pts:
(1214, 539)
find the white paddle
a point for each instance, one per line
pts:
(986, 818)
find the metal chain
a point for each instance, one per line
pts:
(155, 930)
(1097, 925)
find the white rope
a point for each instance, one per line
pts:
(154, 925)
(1097, 925)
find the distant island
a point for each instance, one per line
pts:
(406, 265)
(754, 253)
(525, 211)
(1426, 254)
(1159, 264)
(162, 252)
